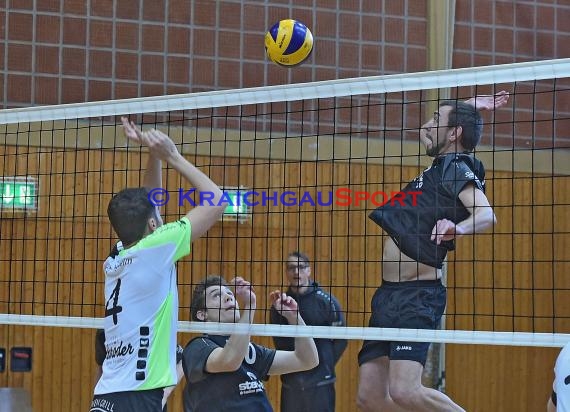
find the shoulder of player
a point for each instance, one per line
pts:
(172, 226)
(461, 159)
(200, 341)
(463, 163)
(166, 233)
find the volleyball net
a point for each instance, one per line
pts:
(302, 166)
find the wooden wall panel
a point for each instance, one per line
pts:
(500, 378)
(512, 278)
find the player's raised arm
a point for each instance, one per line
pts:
(305, 355)
(203, 216)
(153, 171)
(481, 217)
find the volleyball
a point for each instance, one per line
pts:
(288, 43)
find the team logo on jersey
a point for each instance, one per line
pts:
(118, 349)
(114, 264)
(419, 181)
(253, 385)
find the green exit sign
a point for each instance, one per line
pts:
(237, 208)
(20, 193)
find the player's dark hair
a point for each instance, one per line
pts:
(465, 115)
(301, 257)
(199, 295)
(129, 211)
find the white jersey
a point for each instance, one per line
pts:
(562, 380)
(141, 311)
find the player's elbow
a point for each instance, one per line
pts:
(219, 211)
(314, 361)
(311, 359)
(486, 218)
(309, 362)
(233, 363)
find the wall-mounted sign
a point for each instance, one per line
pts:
(18, 193)
(237, 206)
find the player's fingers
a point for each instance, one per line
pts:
(442, 230)
(136, 129)
(146, 140)
(128, 128)
(159, 136)
(238, 280)
(153, 138)
(439, 230)
(434, 230)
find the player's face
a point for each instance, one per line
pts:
(221, 305)
(435, 133)
(298, 272)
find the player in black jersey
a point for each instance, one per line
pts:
(312, 390)
(226, 373)
(449, 202)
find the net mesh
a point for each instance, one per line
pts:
(293, 148)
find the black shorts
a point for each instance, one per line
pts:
(132, 401)
(408, 305)
(315, 399)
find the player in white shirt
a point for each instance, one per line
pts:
(141, 310)
(560, 399)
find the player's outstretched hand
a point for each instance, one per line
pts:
(445, 230)
(244, 291)
(491, 101)
(131, 130)
(159, 144)
(285, 305)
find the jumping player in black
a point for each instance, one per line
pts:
(225, 373)
(451, 203)
(312, 390)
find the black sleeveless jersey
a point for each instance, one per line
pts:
(240, 390)
(409, 220)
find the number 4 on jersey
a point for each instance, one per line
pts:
(115, 309)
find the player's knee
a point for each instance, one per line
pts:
(365, 404)
(362, 402)
(368, 400)
(406, 397)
